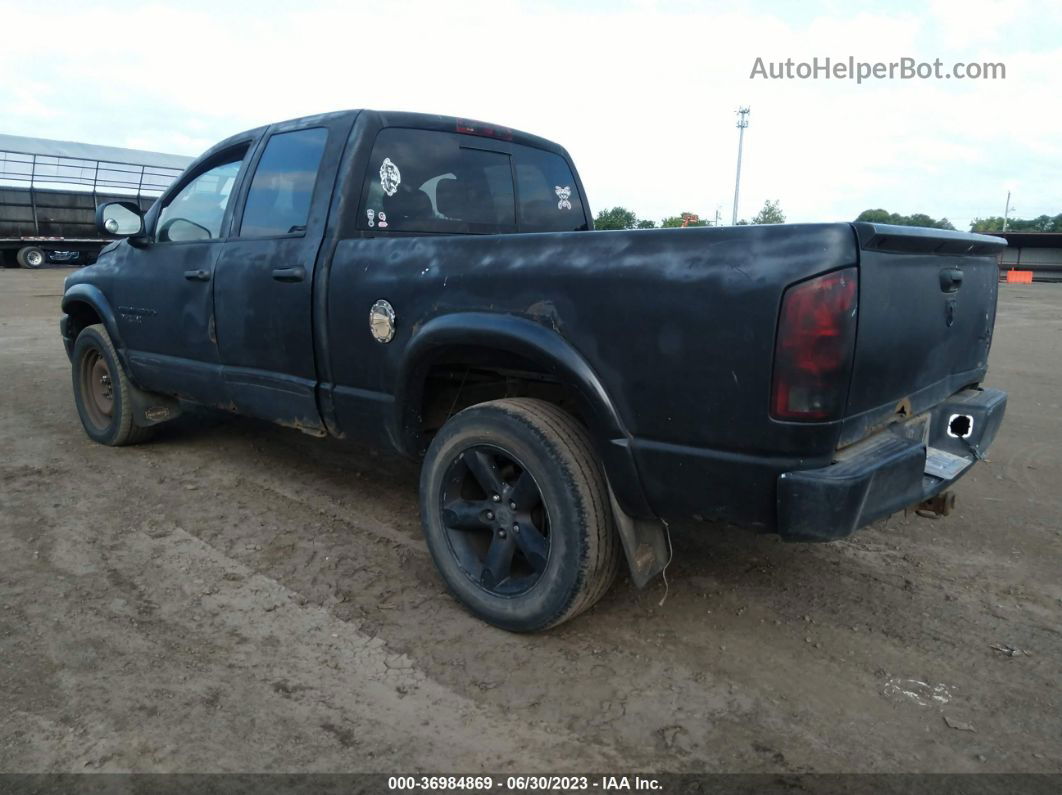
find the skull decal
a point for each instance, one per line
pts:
(390, 177)
(563, 194)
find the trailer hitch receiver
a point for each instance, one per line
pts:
(940, 505)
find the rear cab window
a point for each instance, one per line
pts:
(549, 199)
(431, 182)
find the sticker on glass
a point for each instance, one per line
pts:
(382, 217)
(371, 213)
(390, 177)
(563, 194)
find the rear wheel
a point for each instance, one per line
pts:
(515, 511)
(102, 390)
(30, 257)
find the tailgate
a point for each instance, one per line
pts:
(927, 305)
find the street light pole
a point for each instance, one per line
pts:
(1006, 212)
(743, 122)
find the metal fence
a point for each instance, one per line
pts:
(50, 172)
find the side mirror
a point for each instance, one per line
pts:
(119, 219)
(180, 230)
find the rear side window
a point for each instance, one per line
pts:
(549, 198)
(425, 181)
(278, 202)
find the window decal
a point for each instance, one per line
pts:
(390, 177)
(370, 213)
(564, 194)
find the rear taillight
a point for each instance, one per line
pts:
(813, 354)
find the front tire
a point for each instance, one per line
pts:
(515, 511)
(102, 390)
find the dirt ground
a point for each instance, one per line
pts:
(237, 597)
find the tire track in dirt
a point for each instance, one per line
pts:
(241, 638)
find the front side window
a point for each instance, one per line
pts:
(549, 197)
(278, 202)
(425, 181)
(197, 211)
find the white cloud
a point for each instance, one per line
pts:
(642, 95)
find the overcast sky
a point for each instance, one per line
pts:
(642, 93)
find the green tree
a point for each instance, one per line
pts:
(770, 213)
(994, 223)
(1043, 223)
(645, 223)
(880, 216)
(616, 218)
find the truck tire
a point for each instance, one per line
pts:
(515, 510)
(101, 390)
(30, 257)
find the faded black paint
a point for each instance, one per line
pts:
(665, 337)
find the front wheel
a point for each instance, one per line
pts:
(515, 511)
(102, 390)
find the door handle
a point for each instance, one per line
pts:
(197, 276)
(289, 274)
(950, 279)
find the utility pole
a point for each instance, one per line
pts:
(743, 122)
(1006, 212)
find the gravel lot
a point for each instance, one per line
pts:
(237, 597)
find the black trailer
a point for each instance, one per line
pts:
(49, 191)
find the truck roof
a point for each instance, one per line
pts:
(425, 121)
(433, 121)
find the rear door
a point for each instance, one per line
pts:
(264, 285)
(927, 306)
(418, 183)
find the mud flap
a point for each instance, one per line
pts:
(644, 543)
(151, 409)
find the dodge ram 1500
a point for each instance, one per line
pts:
(432, 285)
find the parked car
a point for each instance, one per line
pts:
(432, 286)
(64, 257)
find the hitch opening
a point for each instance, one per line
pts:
(960, 426)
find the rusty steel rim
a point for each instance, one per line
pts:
(97, 389)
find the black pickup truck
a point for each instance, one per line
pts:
(432, 285)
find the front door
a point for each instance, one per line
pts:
(263, 288)
(164, 295)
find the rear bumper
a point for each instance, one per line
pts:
(885, 473)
